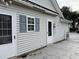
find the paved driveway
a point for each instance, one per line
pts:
(68, 49)
(74, 37)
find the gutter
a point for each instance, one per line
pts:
(43, 7)
(36, 6)
(58, 8)
(65, 21)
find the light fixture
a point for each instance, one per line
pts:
(7, 2)
(10, 1)
(54, 25)
(2, 0)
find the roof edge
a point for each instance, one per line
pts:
(36, 5)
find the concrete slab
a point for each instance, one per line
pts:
(68, 49)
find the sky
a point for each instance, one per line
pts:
(73, 4)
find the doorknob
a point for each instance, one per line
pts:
(14, 37)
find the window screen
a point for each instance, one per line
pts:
(49, 28)
(5, 29)
(31, 24)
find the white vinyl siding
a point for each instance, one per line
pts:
(27, 41)
(30, 40)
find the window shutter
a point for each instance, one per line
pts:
(37, 24)
(22, 19)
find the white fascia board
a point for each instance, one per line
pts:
(57, 8)
(24, 3)
(65, 21)
(49, 12)
(34, 6)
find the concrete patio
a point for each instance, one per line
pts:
(68, 49)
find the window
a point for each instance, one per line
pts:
(31, 24)
(49, 28)
(5, 29)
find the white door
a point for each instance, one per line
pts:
(49, 31)
(7, 34)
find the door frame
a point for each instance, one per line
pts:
(50, 37)
(10, 47)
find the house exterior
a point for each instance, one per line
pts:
(26, 25)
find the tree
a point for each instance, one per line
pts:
(70, 15)
(66, 12)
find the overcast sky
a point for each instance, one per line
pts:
(73, 4)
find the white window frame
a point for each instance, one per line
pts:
(30, 24)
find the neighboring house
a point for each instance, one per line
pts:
(77, 27)
(26, 25)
